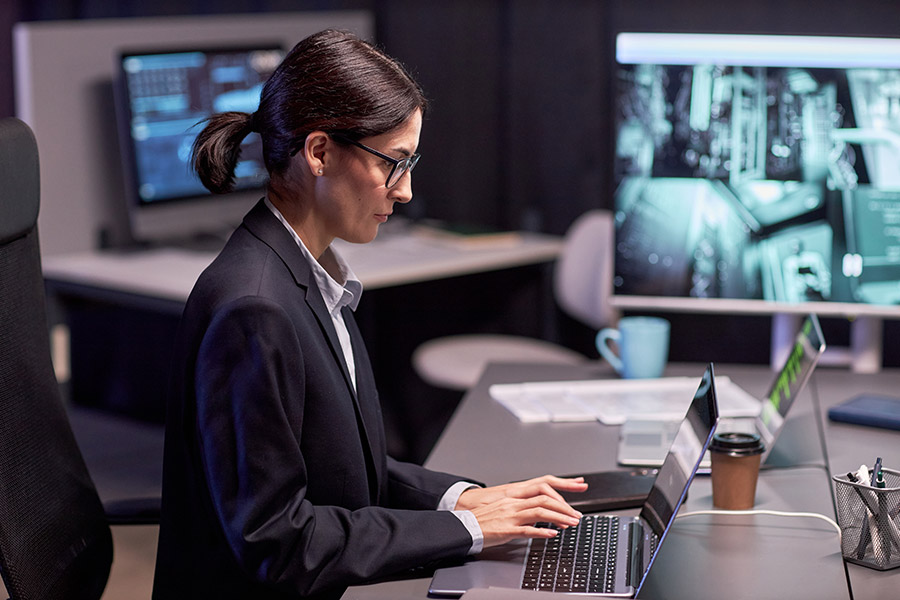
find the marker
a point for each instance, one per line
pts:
(875, 471)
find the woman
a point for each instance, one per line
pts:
(276, 481)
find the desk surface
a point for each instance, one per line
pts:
(852, 445)
(706, 556)
(394, 259)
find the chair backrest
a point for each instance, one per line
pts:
(582, 282)
(54, 539)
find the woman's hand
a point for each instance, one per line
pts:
(506, 512)
(539, 486)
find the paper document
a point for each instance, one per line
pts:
(614, 401)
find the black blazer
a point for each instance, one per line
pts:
(276, 481)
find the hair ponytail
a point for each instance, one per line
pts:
(217, 148)
(331, 81)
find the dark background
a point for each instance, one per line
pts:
(519, 134)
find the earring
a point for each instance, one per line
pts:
(320, 171)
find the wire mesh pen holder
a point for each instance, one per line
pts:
(869, 518)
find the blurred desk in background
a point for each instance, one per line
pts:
(121, 310)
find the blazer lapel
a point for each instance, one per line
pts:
(264, 225)
(367, 393)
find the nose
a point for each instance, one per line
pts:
(402, 190)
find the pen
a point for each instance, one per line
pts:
(884, 515)
(867, 501)
(875, 471)
(879, 538)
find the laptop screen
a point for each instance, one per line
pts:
(683, 458)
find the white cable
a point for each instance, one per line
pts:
(777, 513)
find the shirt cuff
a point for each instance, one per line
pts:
(448, 502)
(451, 496)
(471, 523)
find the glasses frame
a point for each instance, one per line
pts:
(405, 164)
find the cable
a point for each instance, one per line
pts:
(776, 513)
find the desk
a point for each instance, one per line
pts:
(122, 309)
(706, 556)
(398, 259)
(852, 445)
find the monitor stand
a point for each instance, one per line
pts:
(863, 355)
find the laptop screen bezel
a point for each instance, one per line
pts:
(809, 344)
(703, 415)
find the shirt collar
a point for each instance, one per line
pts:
(338, 290)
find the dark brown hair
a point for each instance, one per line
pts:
(332, 81)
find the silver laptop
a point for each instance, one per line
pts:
(643, 442)
(605, 555)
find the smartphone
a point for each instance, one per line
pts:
(612, 490)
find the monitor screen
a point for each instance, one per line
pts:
(164, 98)
(757, 174)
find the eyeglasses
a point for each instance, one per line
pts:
(399, 166)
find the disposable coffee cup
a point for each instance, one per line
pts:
(735, 469)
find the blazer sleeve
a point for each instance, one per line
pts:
(249, 391)
(413, 486)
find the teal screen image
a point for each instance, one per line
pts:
(778, 183)
(165, 98)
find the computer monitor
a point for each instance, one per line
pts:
(163, 97)
(758, 174)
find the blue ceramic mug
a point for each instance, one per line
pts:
(643, 344)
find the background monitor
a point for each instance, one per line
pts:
(164, 97)
(758, 174)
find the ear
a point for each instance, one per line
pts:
(315, 151)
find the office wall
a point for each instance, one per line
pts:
(519, 132)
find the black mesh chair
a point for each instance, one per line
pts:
(55, 541)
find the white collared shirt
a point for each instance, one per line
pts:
(338, 295)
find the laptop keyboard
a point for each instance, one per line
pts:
(578, 559)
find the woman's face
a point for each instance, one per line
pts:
(353, 198)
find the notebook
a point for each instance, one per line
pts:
(643, 442)
(870, 410)
(623, 565)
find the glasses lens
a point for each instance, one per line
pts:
(406, 164)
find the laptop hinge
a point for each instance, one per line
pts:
(635, 554)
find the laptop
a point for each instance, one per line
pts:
(643, 442)
(613, 553)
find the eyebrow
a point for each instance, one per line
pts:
(406, 153)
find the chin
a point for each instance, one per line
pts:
(362, 237)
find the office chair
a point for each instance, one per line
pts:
(582, 284)
(55, 540)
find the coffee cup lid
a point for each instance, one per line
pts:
(736, 443)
